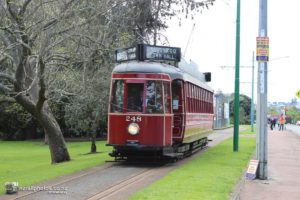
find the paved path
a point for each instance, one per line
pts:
(293, 128)
(283, 171)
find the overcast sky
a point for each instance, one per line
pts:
(212, 45)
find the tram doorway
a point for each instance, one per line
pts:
(178, 108)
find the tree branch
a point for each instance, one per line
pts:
(4, 89)
(8, 77)
(26, 103)
(23, 9)
(7, 99)
(50, 23)
(24, 44)
(156, 21)
(2, 59)
(42, 91)
(10, 9)
(8, 30)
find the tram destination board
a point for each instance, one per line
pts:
(148, 52)
(126, 54)
(161, 53)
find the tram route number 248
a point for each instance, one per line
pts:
(133, 118)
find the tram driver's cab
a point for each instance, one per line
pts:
(129, 96)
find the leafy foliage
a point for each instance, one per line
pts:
(245, 109)
(293, 114)
(16, 123)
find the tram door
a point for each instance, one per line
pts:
(177, 107)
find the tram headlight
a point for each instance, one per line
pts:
(133, 129)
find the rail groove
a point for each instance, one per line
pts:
(122, 185)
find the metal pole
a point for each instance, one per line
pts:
(237, 81)
(252, 94)
(262, 98)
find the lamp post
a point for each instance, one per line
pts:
(262, 139)
(237, 81)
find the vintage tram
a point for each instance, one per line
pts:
(160, 106)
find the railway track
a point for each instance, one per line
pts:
(123, 185)
(34, 190)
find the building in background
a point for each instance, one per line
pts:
(221, 119)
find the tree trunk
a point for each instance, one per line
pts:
(46, 139)
(93, 145)
(45, 118)
(57, 145)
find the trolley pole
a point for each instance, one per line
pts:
(237, 81)
(262, 142)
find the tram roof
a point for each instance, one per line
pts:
(180, 72)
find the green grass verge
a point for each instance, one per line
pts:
(246, 129)
(212, 175)
(29, 163)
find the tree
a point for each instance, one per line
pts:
(25, 46)
(293, 113)
(273, 110)
(150, 17)
(245, 109)
(15, 123)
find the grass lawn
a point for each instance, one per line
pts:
(29, 162)
(246, 129)
(212, 175)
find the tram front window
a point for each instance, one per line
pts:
(117, 96)
(154, 97)
(135, 97)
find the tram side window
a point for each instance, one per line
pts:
(154, 97)
(117, 96)
(211, 103)
(176, 87)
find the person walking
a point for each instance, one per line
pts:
(281, 121)
(272, 123)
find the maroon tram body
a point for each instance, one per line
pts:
(158, 109)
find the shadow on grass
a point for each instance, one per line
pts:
(91, 153)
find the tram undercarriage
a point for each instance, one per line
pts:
(174, 152)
